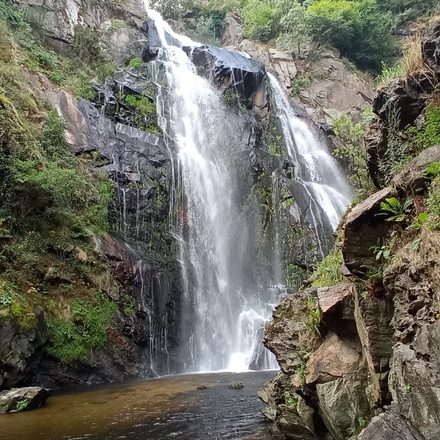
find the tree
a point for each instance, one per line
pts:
(358, 29)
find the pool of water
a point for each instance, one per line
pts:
(185, 407)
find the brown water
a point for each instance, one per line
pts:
(170, 407)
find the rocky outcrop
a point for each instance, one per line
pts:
(400, 103)
(23, 399)
(56, 19)
(362, 229)
(378, 355)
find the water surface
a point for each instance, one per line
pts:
(171, 407)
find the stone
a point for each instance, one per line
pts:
(334, 358)
(331, 297)
(20, 350)
(56, 19)
(233, 32)
(373, 322)
(80, 255)
(23, 399)
(390, 426)
(431, 48)
(343, 402)
(411, 179)
(287, 331)
(415, 387)
(76, 126)
(231, 69)
(363, 228)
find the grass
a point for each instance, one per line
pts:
(327, 272)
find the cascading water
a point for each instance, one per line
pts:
(227, 277)
(321, 192)
(218, 221)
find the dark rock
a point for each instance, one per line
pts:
(431, 48)
(20, 350)
(232, 69)
(403, 100)
(23, 399)
(363, 228)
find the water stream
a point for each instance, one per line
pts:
(217, 221)
(322, 191)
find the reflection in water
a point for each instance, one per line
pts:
(157, 409)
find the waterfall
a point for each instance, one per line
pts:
(217, 221)
(321, 190)
(230, 284)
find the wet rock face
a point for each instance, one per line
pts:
(20, 351)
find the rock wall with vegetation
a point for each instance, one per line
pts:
(90, 282)
(358, 348)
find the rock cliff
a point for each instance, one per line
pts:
(359, 359)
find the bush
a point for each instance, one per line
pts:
(258, 20)
(86, 329)
(357, 29)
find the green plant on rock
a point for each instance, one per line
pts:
(351, 149)
(434, 204)
(84, 330)
(432, 171)
(21, 405)
(289, 400)
(328, 271)
(383, 251)
(135, 63)
(394, 210)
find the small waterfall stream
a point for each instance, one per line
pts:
(322, 192)
(230, 284)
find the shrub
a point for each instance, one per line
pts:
(86, 329)
(135, 62)
(357, 29)
(258, 20)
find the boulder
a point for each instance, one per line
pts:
(23, 399)
(390, 426)
(337, 308)
(246, 75)
(287, 331)
(334, 358)
(411, 179)
(233, 32)
(20, 350)
(363, 228)
(344, 402)
(415, 386)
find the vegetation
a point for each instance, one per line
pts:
(72, 339)
(352, 151)
(327, 272)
